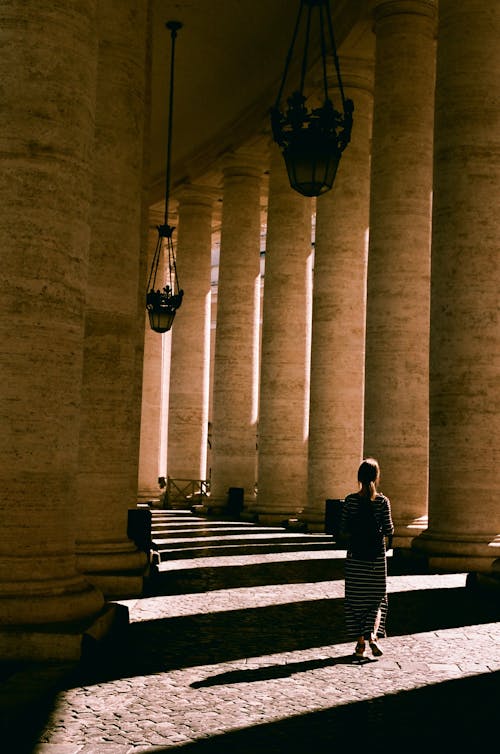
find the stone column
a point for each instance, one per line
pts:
(152, 413)
(190, 360)
(235, 389)
(339, 295)
(396, 407)
(464, 511)
(285, 354)
(107, 486)
(49, 56)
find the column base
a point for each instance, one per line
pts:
(117, 587)
(405, 531)
(152, 499)
(62, 642)
(275, 516)
(409, 560)
(488, 583)
(118, 574)
(446, 553)
(62, 600)
(461, 545)
(313, 518)
(228, 507)
(212, 506)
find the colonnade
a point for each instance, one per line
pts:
(381, 339)
(344, 359)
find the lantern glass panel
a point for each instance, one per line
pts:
(311, 161)
(161, 318)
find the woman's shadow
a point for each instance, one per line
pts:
(269, 672)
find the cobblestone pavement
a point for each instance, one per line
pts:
(239, 646)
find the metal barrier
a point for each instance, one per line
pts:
(180, 493)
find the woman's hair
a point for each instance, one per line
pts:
(368, 476)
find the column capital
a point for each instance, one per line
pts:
(245, 162)
(156, 215)
(356, 72)
(385, 8)
(197, 194)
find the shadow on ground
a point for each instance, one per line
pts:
(270, 672)
(213, 638)
(421, 719)
(450, 716)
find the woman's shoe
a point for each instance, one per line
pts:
(359, 650)
(376, 651)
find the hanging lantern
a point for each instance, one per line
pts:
(312, 141)
(162, 304)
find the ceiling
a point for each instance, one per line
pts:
(229, 59)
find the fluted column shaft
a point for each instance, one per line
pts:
(235, 389)
(464, 512)
(339, 296)
(190, 359)
(396, 408)
(45, 164)
(109, 434)
(285, 352)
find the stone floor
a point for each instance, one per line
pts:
(239, 646)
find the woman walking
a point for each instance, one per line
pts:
(366, 522)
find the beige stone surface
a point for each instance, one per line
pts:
(71, 182)
(396, 404)
(155, 350)
(109, 435)
(285, 354)
(188, 402)
(46, 136)
(236, 359)
(256, 659)
(339, 308)
(464, 514)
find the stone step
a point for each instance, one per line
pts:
(203, 524)
(195, 552)
(160, 535)
(251, 538)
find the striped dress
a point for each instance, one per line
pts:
(366, 580)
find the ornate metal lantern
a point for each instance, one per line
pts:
(312, 141)
(162, 304)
